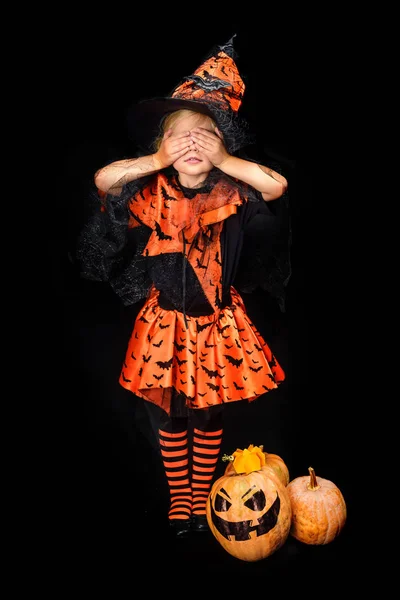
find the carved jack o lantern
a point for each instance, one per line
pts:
(249, 514)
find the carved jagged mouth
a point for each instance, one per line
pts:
(240, 531)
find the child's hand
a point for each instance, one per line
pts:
(210, 144)
(172, 148)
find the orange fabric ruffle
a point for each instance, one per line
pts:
(220, 358)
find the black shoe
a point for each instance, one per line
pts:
(180, 527)
(199, 523)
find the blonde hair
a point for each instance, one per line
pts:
(171, 118)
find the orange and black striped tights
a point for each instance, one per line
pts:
(190, 467)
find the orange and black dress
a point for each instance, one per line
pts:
(193, 339)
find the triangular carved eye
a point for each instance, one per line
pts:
(222, 504)
(256, 502)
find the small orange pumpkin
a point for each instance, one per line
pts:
(249, 513)
(273, 462)
(318, 509)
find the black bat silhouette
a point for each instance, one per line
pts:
(179, 347)
(237, 344)
(255, 361)
(226, 346)
(140, 371)
(165, 194)
(136, 335)
(146, 360)
(160, 234)
(199, 265)
(182, 371)
(209, 345)
(182, 382)
(257, 347)
(180, 362)
(133, 356)
(234, 361)
(209, 372)
(192, 351)
(217, 259)
(237, 386)
(158, 376)
(149, 384)
(167, 364)
(208, 82)
(162, 216)
(202, 327)
(202, 395)
(163, 326)
(152, 205)
(249, 352)
(192, 379)
(218, 301)
(159, 344)
(143, 320)
(149, 337)
(202, 359)
(222, 329)
(212, 386)
(125, 378)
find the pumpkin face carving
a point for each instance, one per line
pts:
(249, 514)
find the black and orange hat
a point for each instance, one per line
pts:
(215, 88)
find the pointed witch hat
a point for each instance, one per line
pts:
(215, 89)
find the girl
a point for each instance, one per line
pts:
(170, 230)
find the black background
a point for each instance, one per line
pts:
(112, 496)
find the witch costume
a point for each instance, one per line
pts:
(193, 348)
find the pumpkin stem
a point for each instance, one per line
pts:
(313, 485)
(227, 457)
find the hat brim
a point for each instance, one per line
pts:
(144, 118)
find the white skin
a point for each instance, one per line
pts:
(193, 146)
